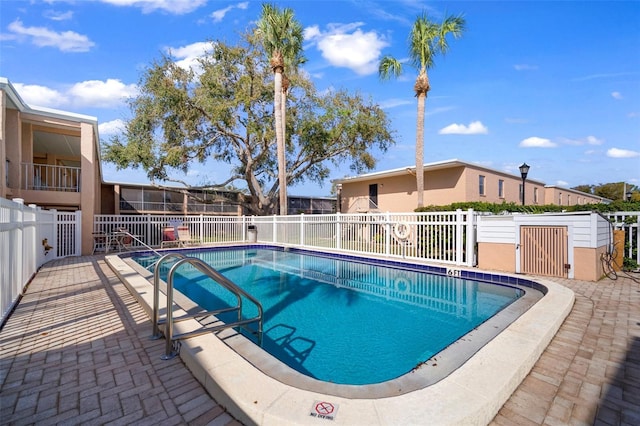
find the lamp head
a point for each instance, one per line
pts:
(524, 169)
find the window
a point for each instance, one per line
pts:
(560, 199)
(520, 191)
(535, 195)
(501, 188)
(481, 185)
(6, 172)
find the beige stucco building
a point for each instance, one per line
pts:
(49, 158)
(447, 182)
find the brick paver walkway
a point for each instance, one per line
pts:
(590, 373)
(76, 351)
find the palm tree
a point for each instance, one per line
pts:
(427, 39)
(282, 38)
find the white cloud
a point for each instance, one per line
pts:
(177, 7)
(395, 102)
(66, 41)
(616, 95)
(35, 95)
(622, 153)
(93, 93)
(438, 110)
(219, 14)
(536, 142)
(525, 67)
(58, 16)
(188, 55)
(101, 94)
(589, 140)
(562, 183)
(592, 140)
(474, 128)
(111, 127)
(312, 32)
(347, 46)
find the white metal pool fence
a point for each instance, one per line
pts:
(443, 237)
(446, 237)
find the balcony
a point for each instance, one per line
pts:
(44, 177)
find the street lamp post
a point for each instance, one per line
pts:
(524, 169)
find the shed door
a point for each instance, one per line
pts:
(544, 251)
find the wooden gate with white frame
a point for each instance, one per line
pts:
(544, 251)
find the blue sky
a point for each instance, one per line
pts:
(555, 84)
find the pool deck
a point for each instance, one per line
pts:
(76, 351)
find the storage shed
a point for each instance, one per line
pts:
(566, 245)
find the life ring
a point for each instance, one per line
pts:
(401, 231)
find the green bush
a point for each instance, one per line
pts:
(496, 208)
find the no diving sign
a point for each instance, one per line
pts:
(324, 410)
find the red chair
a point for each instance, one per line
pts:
(169, 237)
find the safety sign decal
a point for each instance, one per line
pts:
(324, 410)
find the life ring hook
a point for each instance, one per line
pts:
(401, 231)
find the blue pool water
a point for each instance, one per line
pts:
(343, 321)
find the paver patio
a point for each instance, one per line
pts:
(76, 351)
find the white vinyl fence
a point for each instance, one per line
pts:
(148, 228)
(445, 237)
(630, 223)
(29, 237)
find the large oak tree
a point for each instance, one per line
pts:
(224, 113)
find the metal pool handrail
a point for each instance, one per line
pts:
(156, 334)
(170, 350)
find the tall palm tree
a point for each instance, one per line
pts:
(426, 40)
(282, 38)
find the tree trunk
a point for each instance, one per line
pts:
(277, 110)
(421, 88)
(284, 118)
(420, 149)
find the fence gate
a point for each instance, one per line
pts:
(544, 251)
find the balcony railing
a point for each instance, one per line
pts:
(45, 177)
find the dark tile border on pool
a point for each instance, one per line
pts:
(431, 371)
(374, 259)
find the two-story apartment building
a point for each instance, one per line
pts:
(447, 182)
(49, 158)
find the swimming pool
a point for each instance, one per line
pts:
(332, 317)
(466, 383)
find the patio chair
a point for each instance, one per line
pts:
(169, 237)
(184, 236)
(99, 242)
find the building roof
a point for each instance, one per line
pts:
(16, 102)
(447, 164)
(436, 165)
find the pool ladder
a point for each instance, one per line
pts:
(172, 346)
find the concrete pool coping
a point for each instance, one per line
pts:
(472, 394)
